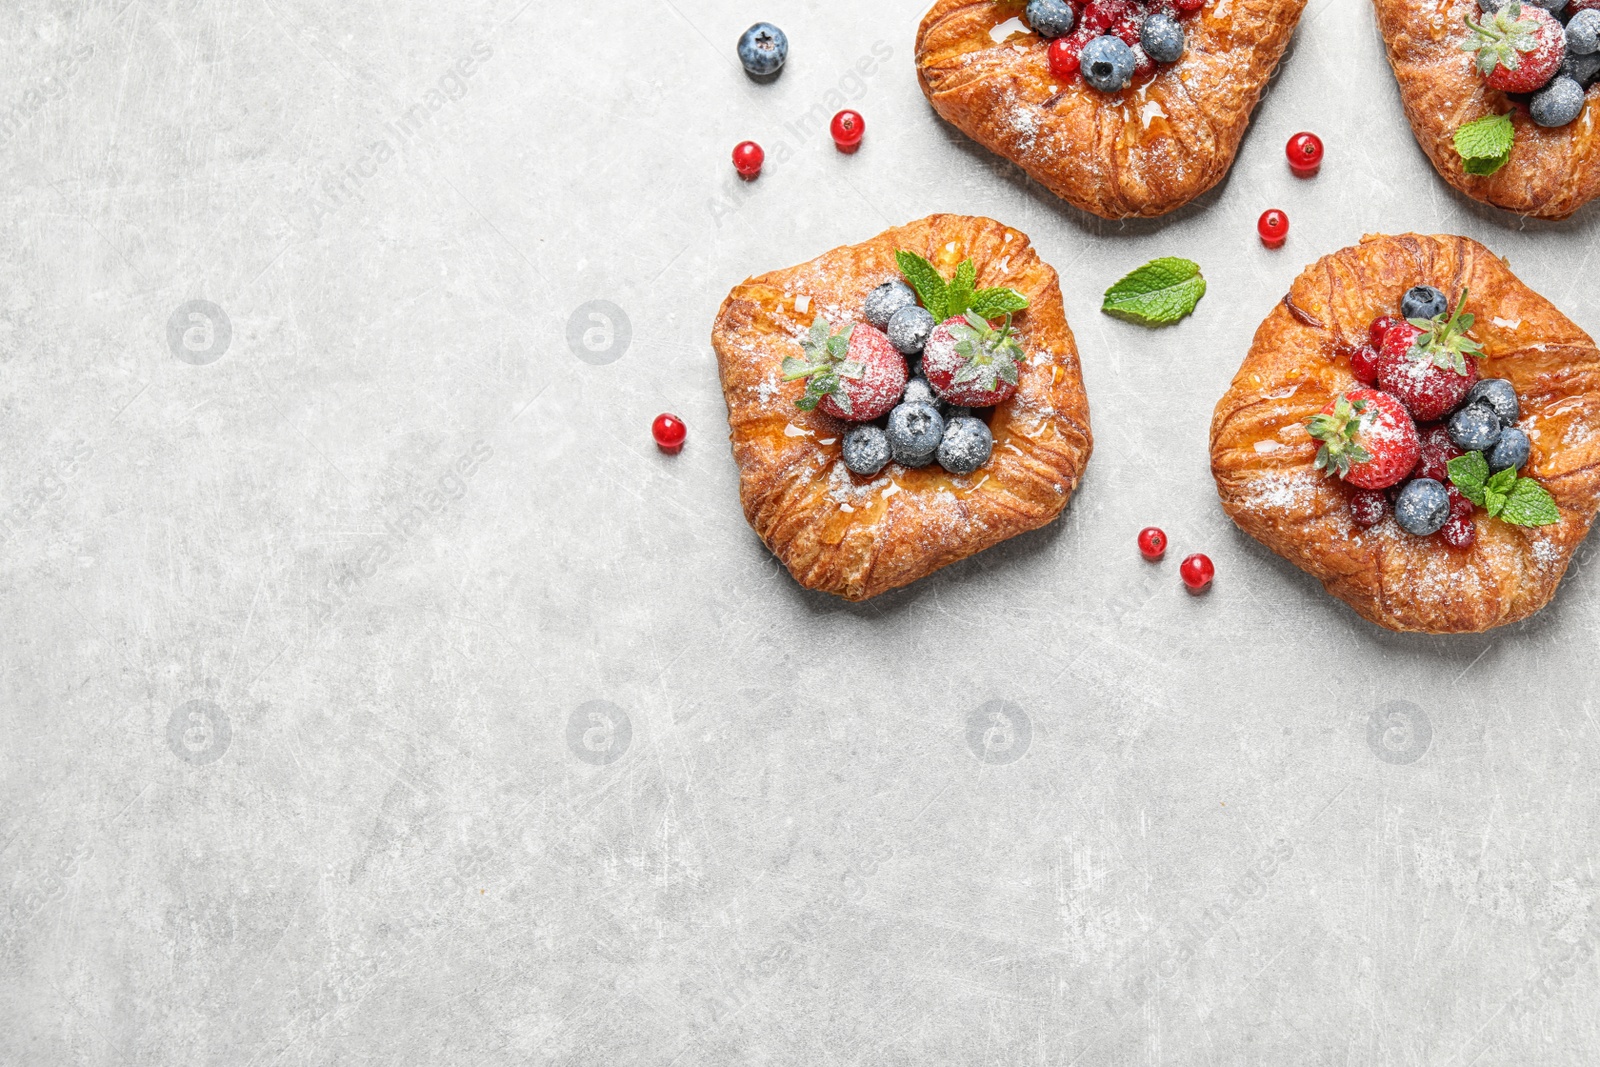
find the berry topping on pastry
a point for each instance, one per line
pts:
(1050, 18)
(1422, 508)
(1500, 395)
(1367, 439)
(966, 445)
(1518, 48)
(1107, 64)
(970, 362)
(910, 329)
(854, 374)
(915, 431)
(1423, 302)
(885, 300)
(1434, 372)
(1437, 452)
(1364, 365)
(866, 450)
(1368, 507)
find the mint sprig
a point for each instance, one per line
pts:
(1520, 501)
(945, 300)
(1444, 341)
(1484, 145)
(826, 367)
(1157, 294)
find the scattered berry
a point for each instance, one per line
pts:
(1162, 38)
(1422, 508)
(1305, 154)
(1367, 439)
(1364, 365)
(1437, 450)
(1583, 33)
(670, 433)
(1152, 543)
(966, 445)
(1474, 428)
(866, 449)
(1273, 226)
(1369, 506)
(910, 328)
(915, 431)
(1197, 572)
(847, 128)
(1559, 103)
(1519, 47)
(1500, 395)
(992, 353)
(1380, 328)
(885, 300)
(1107, 63)
(762, 49)
(747, 159)
(1511, 451)
(1050, 18)
(1064, 57)
(1423, 302)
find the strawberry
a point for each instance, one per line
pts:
(1437, 451)
(1434, 371)
(855, 374)
(1518, 48)
(971, 363)
(1367, 439)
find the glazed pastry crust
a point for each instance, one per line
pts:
(858, 537)
(1262, 456)
(1551, 173)
(1144, 151)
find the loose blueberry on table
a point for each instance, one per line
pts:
(1433, 438)
(1109, 43)
(763, 49)
(969, 355)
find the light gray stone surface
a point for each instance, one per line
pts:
(375, 693)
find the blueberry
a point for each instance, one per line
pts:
(1558, 103)
(1552, 6)
(1475, 428)
(885, 300)
(957, 413)
(915, 431)
(1107, 64)
(1422, 508)
(866, 449)
(1423, 302)
(1499, 395)
(918, 391)
(1162, 38)
(1491, 6)
(910, 328)
(1581, 69)
(1583, 33)
(1050, 18)
(1511, 450)
(966, 445)
(762, 50)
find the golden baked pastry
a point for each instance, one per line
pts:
(1551, 173)
(1146, 150)
(856, 536)
(1262, 456)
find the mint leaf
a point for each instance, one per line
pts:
(1502, 481)
(1157, 294)
(958, 295)
(1485, 144)
(1530, 504)
(930, 286)
(993, 303)
(1470, 473)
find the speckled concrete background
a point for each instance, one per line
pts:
(375, 693)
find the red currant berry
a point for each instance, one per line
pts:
(1369, 506)
(1197, 572)
(1364, 365)
(1273, 227)
(1063, 56)
(1187, 6)
(1305, 154)
(747, 159)
(1152, 543)
(847, 129)
(1381, 326)
(1459, 531)
(670, 433)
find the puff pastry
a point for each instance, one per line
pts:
(1144, 151)
(857, 537)
(1551, 172)
(1261, 454)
